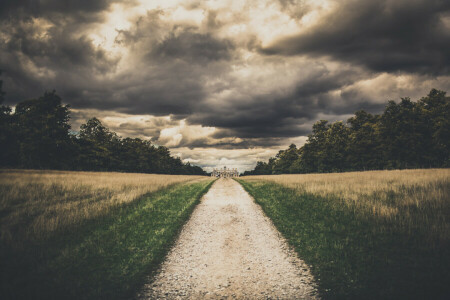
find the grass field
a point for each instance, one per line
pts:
(88, 235)
(366, 235)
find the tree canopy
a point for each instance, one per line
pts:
(406, 135)
(37, 135)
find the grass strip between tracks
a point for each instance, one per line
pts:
(353, 256)
(106, 258)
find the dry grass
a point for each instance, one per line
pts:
(367, 235)
(34, 204)
(408, 196)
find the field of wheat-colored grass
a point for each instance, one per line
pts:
(88, 235)
(367, 235)
(383, 194)
(34, 204)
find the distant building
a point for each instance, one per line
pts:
(225, 173)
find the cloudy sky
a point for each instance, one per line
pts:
(223, 82)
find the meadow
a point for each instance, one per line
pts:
(91, 235)
(366, 235)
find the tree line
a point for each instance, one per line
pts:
(37, 135)
(406, 135)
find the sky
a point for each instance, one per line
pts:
(223, 82)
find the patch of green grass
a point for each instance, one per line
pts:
(106, 258)
(354, 255)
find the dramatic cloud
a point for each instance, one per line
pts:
(384, 35)
(46, 8)
(223, 82)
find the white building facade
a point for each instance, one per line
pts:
(225, 173)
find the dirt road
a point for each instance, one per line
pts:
(230, 249)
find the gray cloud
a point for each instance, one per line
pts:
(43, 8)
(385, 36)
(295, 8)
(44, 45)
(193, 47)
(210, 72)
(283, 115)
(58, 49)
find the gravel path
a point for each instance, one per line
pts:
(230, 249)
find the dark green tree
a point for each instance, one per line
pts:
(96, 145)
(43, 132)
(406, 135)
(313, 153)
(364, 143)
(8, 140)
(285, 159)
(435, 108)
(336, 145)
(37, 135)
(406, 138)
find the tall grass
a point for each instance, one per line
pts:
(411, 198)
(34, 204)
(88, 235)
(372, 235)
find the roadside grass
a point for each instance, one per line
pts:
(366, 235)
(34, 204)
(108, 255)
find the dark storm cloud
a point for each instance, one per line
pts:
(174, 65)
(41, 8)
(193, 47)
(383, 35)
(278, 117)
(180, 42)
(275, 115)
(34, 61)
(58, 49)
(167, 80)
(200, 72)
(43, 46)
(233, 144)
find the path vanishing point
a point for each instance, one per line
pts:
(230, 250)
